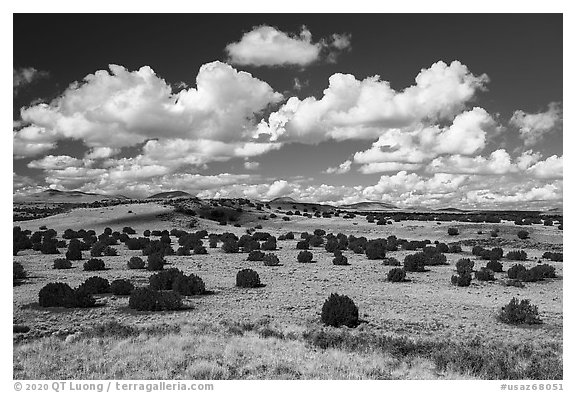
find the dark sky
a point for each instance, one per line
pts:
(520, 53)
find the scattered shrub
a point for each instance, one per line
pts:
(495, 266)
(74, 252)
(415, 262)
(515, 271)
(391, 261)
(464, 266)
(94, 264)
(523, 234)
(200, 250)
(256, 255)
(58, 294)
(339, 310)
(147, 299)
(340, 260)
(305, 256)
(517, 255)
(517, 313)
(248, 278)
(62, 263)
(396, 275)
(95, 285)
(553, 256)
(376, 249)
(453, 231)
(155, 262)
(302, 245)
(18, 272)
(454, 249)
(121, 287)
(136, 263)
(271, 260)
(230, 246)
(462, 280)
(484, 274)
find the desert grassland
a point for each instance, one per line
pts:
(425, 328)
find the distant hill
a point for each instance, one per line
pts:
(283, 200)
(452, 209)
(58, 196)
(369, 206)
(170, 194)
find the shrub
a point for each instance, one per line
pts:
(454, 249)
(523, 234)
(62, 263)
(462, 280)
(94, 264)
(316, 241)
(248, 278)
(305, 256)
(271, 260)
(189, 285)
(49, 246)
(464, 266)
(436, 259)
(484, 274)
(74, 252)
(155, 262)
(230, 246)
(128, 231)
(453, 231)
(200, 250)
(415, 262)
(517, 313)
(136, 263)
(376, 249)
(396, 275)
(255, 255)
(517, 255)
(302, 245)
(477, 250)
(183, 251)
(495, 266)
(494, 233)
(269, 244)
(58, 294)
(18, 272)
(164, 279)
(516, 270)
(110, 252)
(95, 285)
(339, 310)
(290, 236)
(121, 287)
(545, 270)
(147, 299)
(340, 260)
(331, 245)
(553, 256)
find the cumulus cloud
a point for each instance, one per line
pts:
(251, 165)
(268, 46)
(551, 168)
(378, 167)
(342, 168)
(55, 162)
(25, 76)
(533, 126)
(363, 109)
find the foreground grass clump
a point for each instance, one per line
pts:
(339, 310)
(520, 312)
(261, 350)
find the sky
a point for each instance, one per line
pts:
(434, 110)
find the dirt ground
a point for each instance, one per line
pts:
(428, 305)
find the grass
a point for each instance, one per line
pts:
(259, 350)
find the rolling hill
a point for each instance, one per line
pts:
(170, 194)
(58, 196)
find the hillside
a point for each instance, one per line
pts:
(170, 194)
(57, 196)
(369, 206)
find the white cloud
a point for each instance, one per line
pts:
(342, 168)
(533, 126)
(25, 76)
(551, 168)
(55, 162)
(251, 165)
(101, 152)
(364, 109)
(378, 167)
(547, 192)
(268, 46)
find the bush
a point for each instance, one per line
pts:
(121, 287)
(523, 234)
(436, 259)
(189, 285)
(110, 252)
(454, 249)
(62, 263)
(515, 271)
(396, 275)
(517, 255)
(331, 245)
(269, 244)
(553, 256)
(484, 274)
(376, 249)
(74, 252)
(545, 270)
(495, 266)
(340, 260)
(200, 250)
(128, 231)
(95, 285)
(256, 255)
(230, 246)
(18, 272)
(147, 299)
(391, 261)
(339, 310)
(517, 313)
(94, 264)
(248, 278)
(464, 266)
(58, 294)
(462, 280)
(494, 233)
(136, 263)
(453, 231)
(183, 251)
(305, 257)
(302, 245)
(49, 246)
(155, 262)
(415, 262)
(271, 260)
